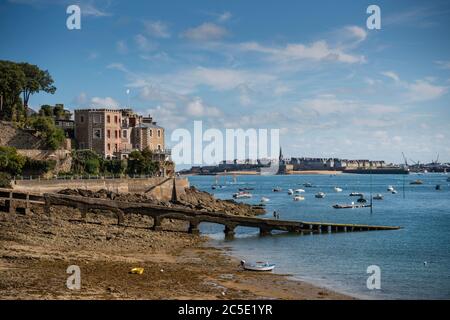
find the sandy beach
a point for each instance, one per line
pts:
(35, 251)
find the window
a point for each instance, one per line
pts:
(108, 133)
(81, 119)
(109, 147)
(97, 133)
(159, 147)
(97, 118)
(116, 119)
(159, 133)
(108, 118)
(124, 133)
(116, 135)
(151, 132)
(120, 134)
(116, 148)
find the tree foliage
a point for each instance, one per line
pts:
(10, 161)
(21, 78)
(142, 163)
(45, 126)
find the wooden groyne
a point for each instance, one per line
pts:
(194, 217)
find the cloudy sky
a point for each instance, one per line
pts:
(310, 68)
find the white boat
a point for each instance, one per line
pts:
(290, 192)
(390, 188)
(356, 194)
(299, 198)
(264, 199)
(307, 185)
(394, 191)
(257, 266)
(277, 189)
(320, 195)
(378, 196)
(336, 189)
(242, 194)
(299, 191)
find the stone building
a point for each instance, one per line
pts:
(115, 133)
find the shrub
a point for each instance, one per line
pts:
(5, 180)
(38, 166)
(10, 161)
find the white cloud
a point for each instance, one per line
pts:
(143, 43)
(316, 51)
(356, 32)
(121, 47)
(392, 75)
(197, 108)
(224, 16)
(157, 29)
(422, 90)
(204, 32)
(443, 64)
(107, 102)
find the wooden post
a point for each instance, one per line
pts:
(157, 223)
(193, 227)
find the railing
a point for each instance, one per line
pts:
(86, 177)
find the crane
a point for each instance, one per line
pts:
(404, 158)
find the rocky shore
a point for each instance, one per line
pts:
(36, 250)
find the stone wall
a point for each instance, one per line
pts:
(160, 187)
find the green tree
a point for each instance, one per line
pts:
(12, 82)
(53, 136)
(10, 161)
(36, 80)
(46, 111)
(142, 163)
(86, 161)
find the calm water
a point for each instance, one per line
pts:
(339, 261)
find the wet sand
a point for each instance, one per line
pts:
(36, 250)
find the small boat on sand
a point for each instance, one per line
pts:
(242, 194)
(337, 189)
(320, 195)
(257, 266)
(299, 198)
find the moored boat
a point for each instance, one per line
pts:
(307, 185)
(390, 188)
(320, 195)
(299, 191)
(416, 182)
(356, 194)
(378, 196)
(290, 192)
(299, 198)
(242, 194)
(276, 189)
(337, 189)
(264, 199)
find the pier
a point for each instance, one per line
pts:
(15, 201)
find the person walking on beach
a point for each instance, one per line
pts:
(274, 213)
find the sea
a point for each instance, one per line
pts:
(413, 262)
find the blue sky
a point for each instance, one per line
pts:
(310, 68)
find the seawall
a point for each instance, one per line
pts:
(160, 187)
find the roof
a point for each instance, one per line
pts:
(149, 125)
